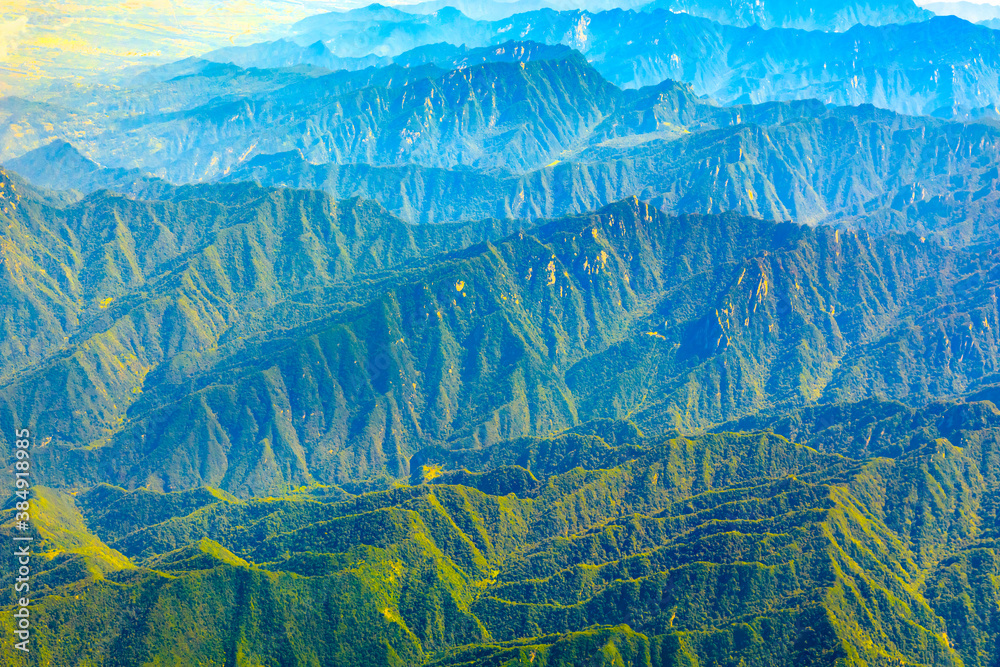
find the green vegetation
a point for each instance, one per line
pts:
(277, 429)
(287, 341)
(720, 549)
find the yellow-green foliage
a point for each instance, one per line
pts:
(725, 549)
(62, 530)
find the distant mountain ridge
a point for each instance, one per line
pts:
(889, 66)
(834, 15)
(970, 11)
(748, 159)
(59, 166)
(498, 113)
(567, 142)
(831, 15)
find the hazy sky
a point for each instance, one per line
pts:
(46, 40)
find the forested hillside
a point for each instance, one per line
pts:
(473, 334)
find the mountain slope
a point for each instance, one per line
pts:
(940, 65)
(799, 161)
(103, 291)
(290, 376)
(721, 549)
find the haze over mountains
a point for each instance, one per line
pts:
(909, 68)
(536, 132)
(194, 121)
(970, 11)
(508, 335)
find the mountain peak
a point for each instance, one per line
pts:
(53, 163)
(449, 13)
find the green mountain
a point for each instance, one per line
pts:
(105, 290)
(613, 548)
(490, 356)
(616, 438)
(285, 340)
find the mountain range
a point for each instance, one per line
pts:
(940, 66)
(852, 166)
(274, 342)
(614, 547)
(484, 335)
(298, 342)
(970, 11)
(835, 16)
(549, 137)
